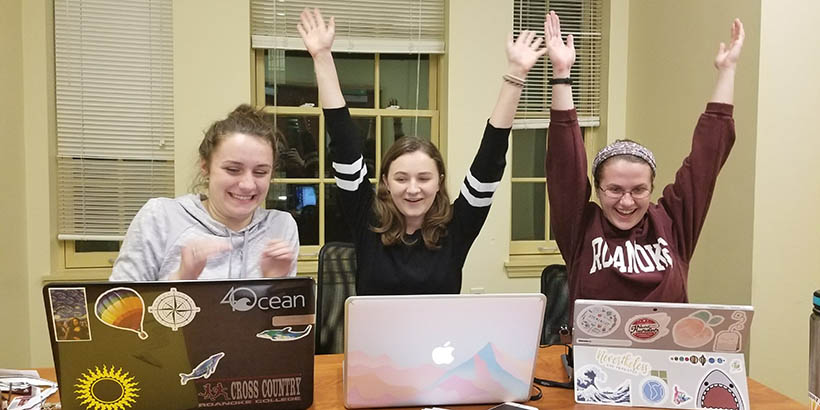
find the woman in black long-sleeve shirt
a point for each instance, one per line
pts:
(409, 238)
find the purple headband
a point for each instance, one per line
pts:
(621, 147)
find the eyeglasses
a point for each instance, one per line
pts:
(618, 193)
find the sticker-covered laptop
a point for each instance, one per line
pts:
(234, 344)
(670, 355)
(440, 349)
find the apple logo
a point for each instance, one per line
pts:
(443, 354)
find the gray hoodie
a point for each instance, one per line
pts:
(163, 226)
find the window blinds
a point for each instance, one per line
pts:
(582, 19)
(362, 26)
(114, 95)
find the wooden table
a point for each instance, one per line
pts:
(327, 388)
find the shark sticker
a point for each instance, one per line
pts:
(286, 334)
(718, 391)
(202, 370)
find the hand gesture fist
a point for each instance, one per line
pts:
(317, 36)
(276, 259)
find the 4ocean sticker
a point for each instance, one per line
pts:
(69, 313)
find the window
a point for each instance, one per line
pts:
(115, 144)
(303, 182)
(386, 56)
(532, 245)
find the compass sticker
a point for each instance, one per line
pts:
(173, 309)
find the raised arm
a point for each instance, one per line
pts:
(726, 62)
(318, 38)
(562, 56)
(522, 54)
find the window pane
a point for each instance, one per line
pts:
(356, 76)
(367, 132)
(297, 142)
(96, 246)
(336, 229)
(528, 152)
(290, 74)
(397, 74)
(397, 127)
(301, 202)
(528, 210)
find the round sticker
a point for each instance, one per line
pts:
(598, 320)
(653, 390)
(647, 328)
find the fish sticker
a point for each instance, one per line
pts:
(202, 370)
(283, 335)
(718, 391)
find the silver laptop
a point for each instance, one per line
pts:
(670, 355)
(440, 349)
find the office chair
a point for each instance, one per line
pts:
(336, 281)
(556, 317)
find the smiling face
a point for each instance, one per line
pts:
(620, 175)
(238, 173)
(413, 181)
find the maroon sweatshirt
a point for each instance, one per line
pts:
(649, 262)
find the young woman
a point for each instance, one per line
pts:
(629, 248)
(409, 238)
(222, 233)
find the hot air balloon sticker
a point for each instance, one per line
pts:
(122, 308)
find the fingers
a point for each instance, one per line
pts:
(571, 42)
(277, 249)
(317, 18)
(305, 20)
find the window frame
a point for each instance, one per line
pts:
(307, 263)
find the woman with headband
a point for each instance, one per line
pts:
(628, 248)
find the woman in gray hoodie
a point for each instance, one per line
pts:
(222, 233)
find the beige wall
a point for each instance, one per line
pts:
(671, 76)
(787, 222)
(212, 73)
(14, 350)
(476, 54)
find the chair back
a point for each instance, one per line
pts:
(336, 282)
(555, 287)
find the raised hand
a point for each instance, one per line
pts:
(194, 256)
(562, 56)
(523, 53)
(727, 56)
(277, 259)
(317, 36)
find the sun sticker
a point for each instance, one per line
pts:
(106, 389)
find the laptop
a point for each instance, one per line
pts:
(430, 350)
(232, 344)
(669, 355)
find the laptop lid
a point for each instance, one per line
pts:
(427, 350)
(179, 345)
(671, 355)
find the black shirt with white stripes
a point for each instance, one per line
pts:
(402, 268)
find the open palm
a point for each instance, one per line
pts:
(523, 53)
(727, 56)
(562, 56)
(316, 35)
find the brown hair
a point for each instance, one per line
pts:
(391, 223)
(244, 119)
(599, 171)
